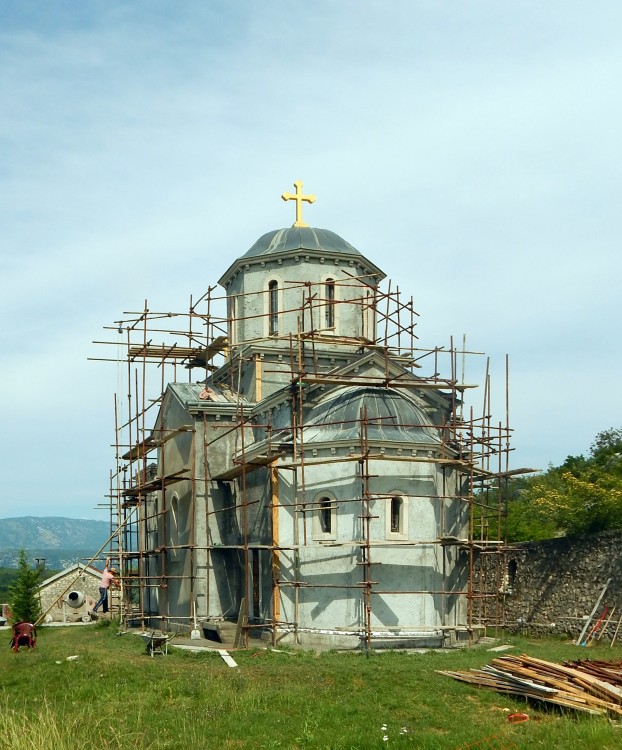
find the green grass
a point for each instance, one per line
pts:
(114, 696)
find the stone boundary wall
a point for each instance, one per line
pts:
(551, 587)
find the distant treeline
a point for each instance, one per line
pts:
(56, 559)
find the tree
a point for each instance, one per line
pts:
(606, 444)
(587, 503)
(582, 495)
(23, 595)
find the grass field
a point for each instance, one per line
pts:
(114, 696)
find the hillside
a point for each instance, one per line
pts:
(60, 541)
(52, 532)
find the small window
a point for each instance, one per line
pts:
(325, 519)
(232, 320)
(397, 517)
(273, 304)
(329, 309)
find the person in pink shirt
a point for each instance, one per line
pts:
(108, 578)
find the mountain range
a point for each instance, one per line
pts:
(60, 541)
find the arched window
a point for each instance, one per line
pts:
(325, 519)
(329, 309)
(232, 319)
(273, 308)
(325, 516)
(396, 517)
(174, 516)
(397, 503)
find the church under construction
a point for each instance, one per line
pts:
(290, 468)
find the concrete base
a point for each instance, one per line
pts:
(351, 640)
(223, 632)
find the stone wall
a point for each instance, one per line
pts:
(552, 586)
(86, 583)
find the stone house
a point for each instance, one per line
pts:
(70, 594)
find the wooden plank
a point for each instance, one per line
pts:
(592, 687)
(591, 617)
(606, 625)
(251, 465)
(229, 661)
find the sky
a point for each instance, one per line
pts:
(470, 148)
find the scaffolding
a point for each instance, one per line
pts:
(157, 348)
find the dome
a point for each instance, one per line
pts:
(300, 238)
(293, 242)
(391, 416)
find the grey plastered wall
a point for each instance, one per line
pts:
(553, 585)
(331, 569)
(251, 284)
(219, 570)
(174, 528)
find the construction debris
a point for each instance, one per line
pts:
(591, 686)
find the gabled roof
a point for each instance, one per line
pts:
(77, 568)
(193, 397)
(196, 394)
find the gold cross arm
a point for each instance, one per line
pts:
(299, 198)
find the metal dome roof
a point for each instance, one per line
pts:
(300, 238)
(391, 417)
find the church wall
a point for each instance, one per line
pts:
(336, 563)
(257, 512)
(224, 440)
(338, 600)
(219, 571)
(268, 366)
(151, 524)
(176, 528)
(215, 522)
(290, 273)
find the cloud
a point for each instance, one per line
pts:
(470, 149)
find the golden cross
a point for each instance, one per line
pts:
(299, 198)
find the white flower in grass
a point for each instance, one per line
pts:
(385, 738)
(383, 728)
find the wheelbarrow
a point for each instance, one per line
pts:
(156, 643)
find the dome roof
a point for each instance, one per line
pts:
(295, 241)
(391, 416)
(300, 238)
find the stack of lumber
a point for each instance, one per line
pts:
(609, 671)
(591, 686)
